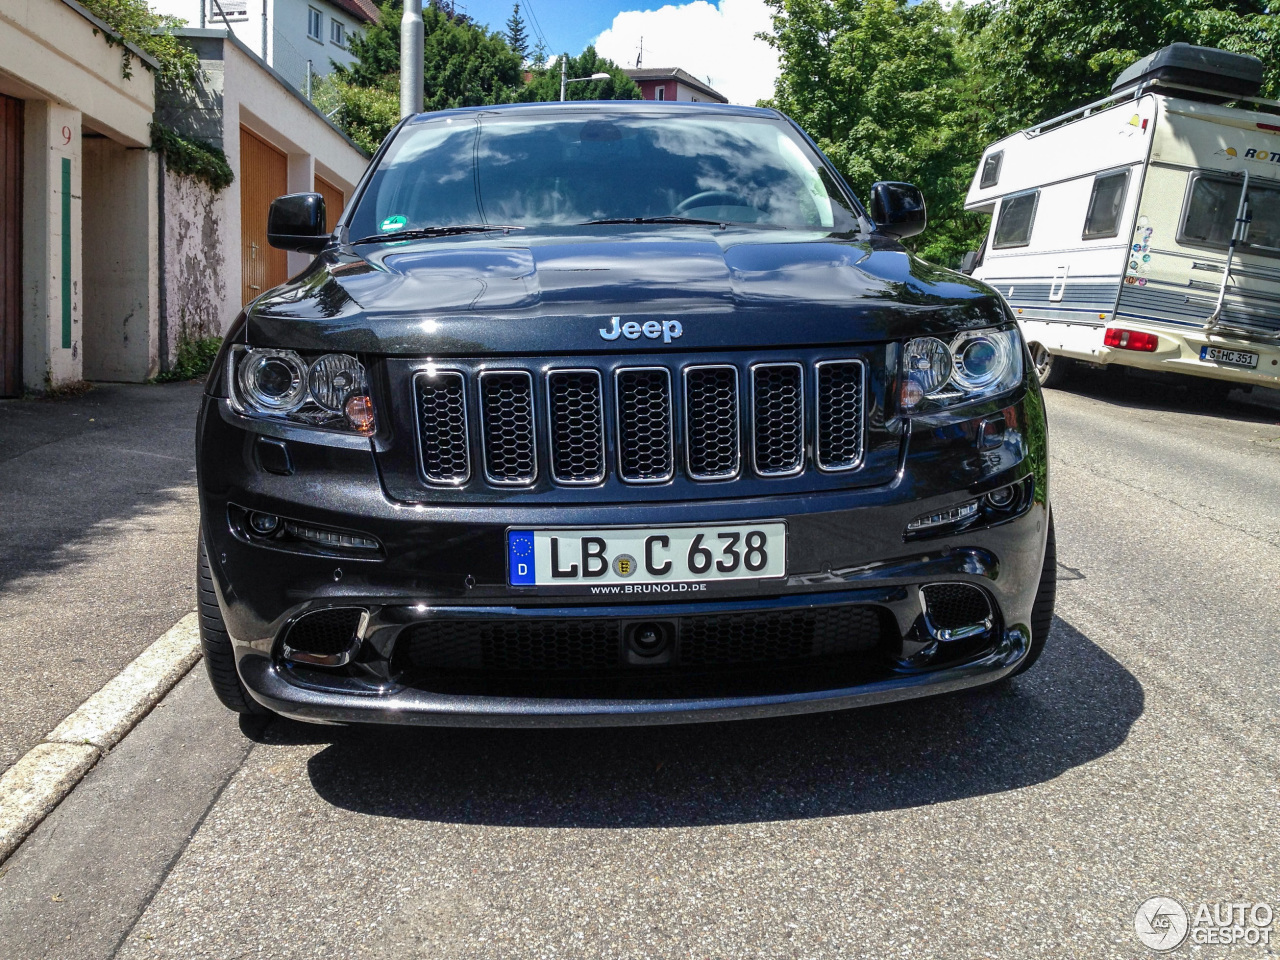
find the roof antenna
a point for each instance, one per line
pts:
(640, 55)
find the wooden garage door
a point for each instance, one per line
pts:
(334, 201)
(10, 246)
(264, 175)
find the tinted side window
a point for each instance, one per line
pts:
(1105, 205)
(991, 170)
(1017, 215)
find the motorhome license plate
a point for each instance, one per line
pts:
(1237, 358)
(621, 557)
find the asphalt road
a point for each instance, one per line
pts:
(97, 531)
(1138, 758)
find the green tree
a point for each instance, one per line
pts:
(545, 84)
(1036, 59)
(464, 65)
(517, 37)
(878, 84)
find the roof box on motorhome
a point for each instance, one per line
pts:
(1205, 67)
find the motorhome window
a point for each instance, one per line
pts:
(1105, 205)
(991, 170)
(1017, 215)
(1211, 214)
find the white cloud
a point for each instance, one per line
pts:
(711, 41)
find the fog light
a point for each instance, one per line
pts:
(264, 523)
(1003, 497)
(944, 517)
(359, 413)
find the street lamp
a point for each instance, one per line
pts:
(564, 81)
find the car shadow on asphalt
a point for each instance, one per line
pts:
(1075, 706)
(1121, 388)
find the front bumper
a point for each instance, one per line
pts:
(845, 547)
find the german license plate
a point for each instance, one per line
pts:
(634, 560)
(1237, 358)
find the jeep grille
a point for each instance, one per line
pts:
(712, 422)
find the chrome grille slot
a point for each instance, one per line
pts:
(442, 427)
(841, 387)
(711, 422)
(645, 423)
(575, 402)
(777, 419)
(506, 417)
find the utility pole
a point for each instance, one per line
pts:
(563, 82)
(411, 58)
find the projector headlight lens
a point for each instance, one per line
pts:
(273, 380)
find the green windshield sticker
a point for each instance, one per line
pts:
(392, 224)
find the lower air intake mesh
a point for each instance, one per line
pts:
(595, 644)
(325, 632)
(951, 606)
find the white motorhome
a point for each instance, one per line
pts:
(1144, 229)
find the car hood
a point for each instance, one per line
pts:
(513, 293)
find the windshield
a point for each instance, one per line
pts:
(556, 171)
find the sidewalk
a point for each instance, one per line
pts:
(97, 543)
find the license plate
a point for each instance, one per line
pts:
(1237, 358)
(616, 556)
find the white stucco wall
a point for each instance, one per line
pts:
(55, 58)
(202, 246)
(288, 46)
(197, 245)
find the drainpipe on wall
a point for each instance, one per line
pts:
(264, 31)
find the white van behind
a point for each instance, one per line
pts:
(1112, 227)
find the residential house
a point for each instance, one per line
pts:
(299, 39)
(672, 83)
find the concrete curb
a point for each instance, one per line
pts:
(32, 787)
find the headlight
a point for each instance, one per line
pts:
(330, 391)
(975, 365)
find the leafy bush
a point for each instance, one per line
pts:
(195, 359)
(151, 32)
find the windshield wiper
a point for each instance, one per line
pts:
(426, 233)
(713, 223)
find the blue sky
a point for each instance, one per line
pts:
(566, 24)
(712, 39)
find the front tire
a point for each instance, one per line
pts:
(1051, 371)
(219, 658)
(1042, 609)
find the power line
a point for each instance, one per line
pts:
(537, 27)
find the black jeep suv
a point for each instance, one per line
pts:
(608, 413)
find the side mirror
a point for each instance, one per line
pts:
(296, 222)
(968, 262)
(897, 209)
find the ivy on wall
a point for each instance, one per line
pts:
(192, 158)
(135, 22)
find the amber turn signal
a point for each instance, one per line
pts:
(359, 413)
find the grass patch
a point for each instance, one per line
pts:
(195, 358)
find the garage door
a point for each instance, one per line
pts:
(334, 200)
(264, 175)
(10, 246)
